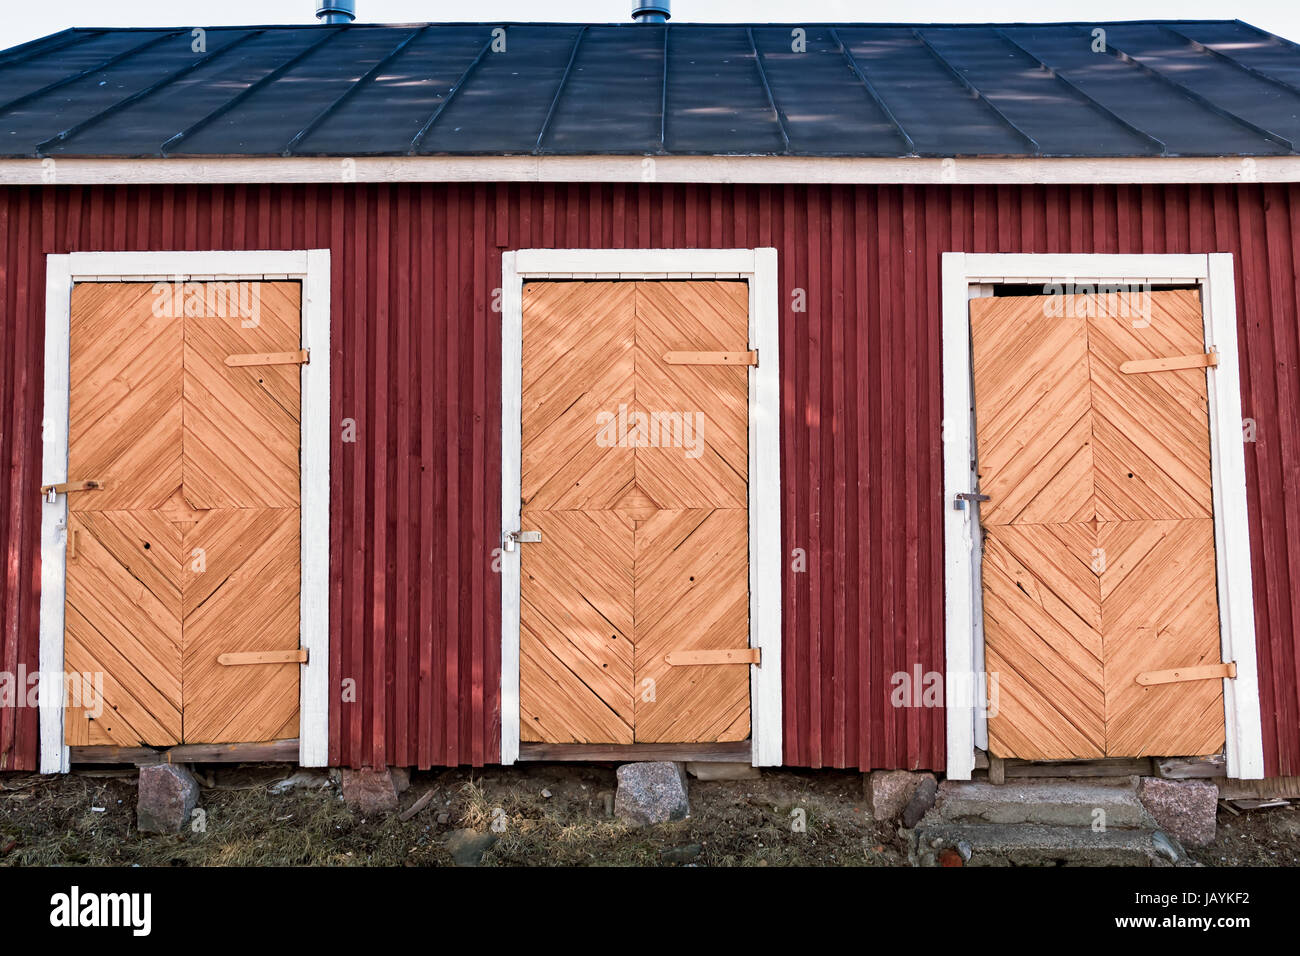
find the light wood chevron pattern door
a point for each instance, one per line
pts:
(242, 424)
(122, 609)
(635, 471)
(240, 470)
(245, 599)
(191, 549)
(1099, 561)
(1043, 642)
(692, 553)
(122, 620)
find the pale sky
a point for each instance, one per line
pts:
(22, 20)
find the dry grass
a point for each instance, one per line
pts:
(47, 821)
(50, 821)
(56, 825)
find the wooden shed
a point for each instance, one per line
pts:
(817, 395)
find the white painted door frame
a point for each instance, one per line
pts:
(312, 268)
(963, 632)
(759, 268)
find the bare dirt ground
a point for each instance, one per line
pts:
(89, 819)
(1254, 838)
(547, 815)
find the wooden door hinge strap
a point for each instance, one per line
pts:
(299, 357)
(295, 656)
(711, 358)
(49, 491)
(1178, 674)
(740, 655)
(1169, 364)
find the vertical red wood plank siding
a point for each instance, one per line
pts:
(415, 663)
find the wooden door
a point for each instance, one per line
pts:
(1099, 563)
(635, 471)
(191, 550)
(123, 604)
(240, 471)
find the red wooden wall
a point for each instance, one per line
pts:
(416, 365)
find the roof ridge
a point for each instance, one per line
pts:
(632, 25)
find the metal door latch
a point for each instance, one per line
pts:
(511, 538)
(49, 492)
(959, 502)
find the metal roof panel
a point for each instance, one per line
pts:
(614, 93)
(1059, 117)
(1141, 97)
(716, 102)
(940, 114)
(1190, 88)
(503, 105)
(386, 115)
(827, 107)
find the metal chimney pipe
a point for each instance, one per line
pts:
(651, 11)
(336, 11)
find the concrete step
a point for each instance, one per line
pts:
(1051, 803)
(1022, 844)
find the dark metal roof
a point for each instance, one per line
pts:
(1177, 88)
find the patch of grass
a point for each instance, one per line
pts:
(543, 815)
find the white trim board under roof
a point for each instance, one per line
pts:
(646, 169)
